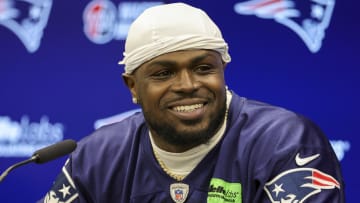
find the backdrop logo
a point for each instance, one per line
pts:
(308, 19)
(99, 18)
(27, 19)
(23, 138)
(113, 119)
(104, 22)
(340, 147)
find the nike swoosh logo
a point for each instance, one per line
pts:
(303, 161)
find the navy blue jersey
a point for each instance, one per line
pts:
(267, 154)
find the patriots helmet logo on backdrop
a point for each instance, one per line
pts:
(297, 185)
(27, 19)
(308, 18)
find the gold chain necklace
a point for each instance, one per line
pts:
(167, 170)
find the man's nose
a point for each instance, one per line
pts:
(185, 82)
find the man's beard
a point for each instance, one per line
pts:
(189, 138)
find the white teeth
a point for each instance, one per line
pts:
(187, 108)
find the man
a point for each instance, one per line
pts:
(195, 140)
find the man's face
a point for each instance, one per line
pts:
(182, 95)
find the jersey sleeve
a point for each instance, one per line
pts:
(302, 166)
(63, 189)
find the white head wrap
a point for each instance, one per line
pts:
(168, 28)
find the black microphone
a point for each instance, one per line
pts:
(45, 154)
(54, 151)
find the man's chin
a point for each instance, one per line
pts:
(188, 137)
(187, 133)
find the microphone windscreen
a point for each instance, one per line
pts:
(54, 151)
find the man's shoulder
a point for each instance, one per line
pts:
(119, 135)
(263, 118)
(262, 112)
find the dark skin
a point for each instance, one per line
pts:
(182, 95)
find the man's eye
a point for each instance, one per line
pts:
(162, 74)
(203, 68)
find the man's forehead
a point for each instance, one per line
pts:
(185, 55)
(178, 57)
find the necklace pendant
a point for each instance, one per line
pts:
(179, 192)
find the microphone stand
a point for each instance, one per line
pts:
(45, 154)
(7, 171)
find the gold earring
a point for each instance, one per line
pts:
(134, 100)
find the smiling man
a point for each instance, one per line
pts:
(196, 141)
(182, 95)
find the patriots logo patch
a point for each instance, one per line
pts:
(63, 190)
(308, 18)
(297, 185)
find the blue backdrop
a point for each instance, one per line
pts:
(59, 74)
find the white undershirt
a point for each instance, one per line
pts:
(183, 163)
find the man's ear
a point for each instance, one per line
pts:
(129, 81)
(224, 65)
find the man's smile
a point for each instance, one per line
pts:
(189, 112)
(187, 108)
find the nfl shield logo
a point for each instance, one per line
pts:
(179, 192)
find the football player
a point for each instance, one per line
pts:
(194, 139)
